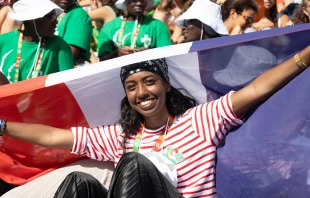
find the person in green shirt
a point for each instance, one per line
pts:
(75, 27)
(34, 50)
(132, 32)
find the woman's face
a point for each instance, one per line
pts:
(146, 93)
(136, 7)
(245, 19)
(306, 8)
(269, 3)
(192, 30)
(47, 25)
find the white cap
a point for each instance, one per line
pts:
(208, 13)
(25, 10)
(121, 4)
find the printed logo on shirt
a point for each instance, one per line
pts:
(173, 154)
(4, 57)
(115, 38)
(146, 40)
(11, 69)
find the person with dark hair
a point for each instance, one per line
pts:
(269, 20)
(200, 25)
(74, 26)
(239, 15)
(132, 32)
(34, 50)
(164, 145)
(301, 14)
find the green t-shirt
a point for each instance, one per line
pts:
(57, 56)
(153, 34)
(76, 29)
(96, 38)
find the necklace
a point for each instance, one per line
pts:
(135, 34)
(37, 59)
(160, 141)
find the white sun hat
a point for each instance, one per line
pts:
(121, 4)
(25, 10)
(208, 13)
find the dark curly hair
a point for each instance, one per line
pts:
(176, 102)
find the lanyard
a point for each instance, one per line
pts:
(60, 17)
(160, 139)
(135, 34)
(37, 59)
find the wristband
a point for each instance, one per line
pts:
(2, 127)
(300, 63)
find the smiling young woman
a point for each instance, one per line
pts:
(164, 144)
(146, 94)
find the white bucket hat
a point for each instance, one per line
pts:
(208, 13)
(121, 4)
(25, 10)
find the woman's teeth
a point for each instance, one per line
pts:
(144, 103)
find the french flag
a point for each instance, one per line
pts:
(268, 156)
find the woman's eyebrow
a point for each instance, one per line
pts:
(145, 77)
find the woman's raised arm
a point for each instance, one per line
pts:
(42, 135)
(268, 83)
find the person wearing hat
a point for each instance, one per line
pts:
(34, 50)
(203, 20)
(75, 27)
(132, 32)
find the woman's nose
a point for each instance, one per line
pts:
(142, 92)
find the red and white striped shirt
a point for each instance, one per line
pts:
(196, 134)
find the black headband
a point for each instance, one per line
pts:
(157, 66)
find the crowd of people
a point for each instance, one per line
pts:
(39, 37)
(95, 30)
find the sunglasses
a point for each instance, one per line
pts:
(248, 20)
(135, 1)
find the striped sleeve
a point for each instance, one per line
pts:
(98, 143)
(214, 119)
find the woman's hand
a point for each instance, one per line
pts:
(236, 30)
(125, 50)
(260, 25)
(140, 49)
